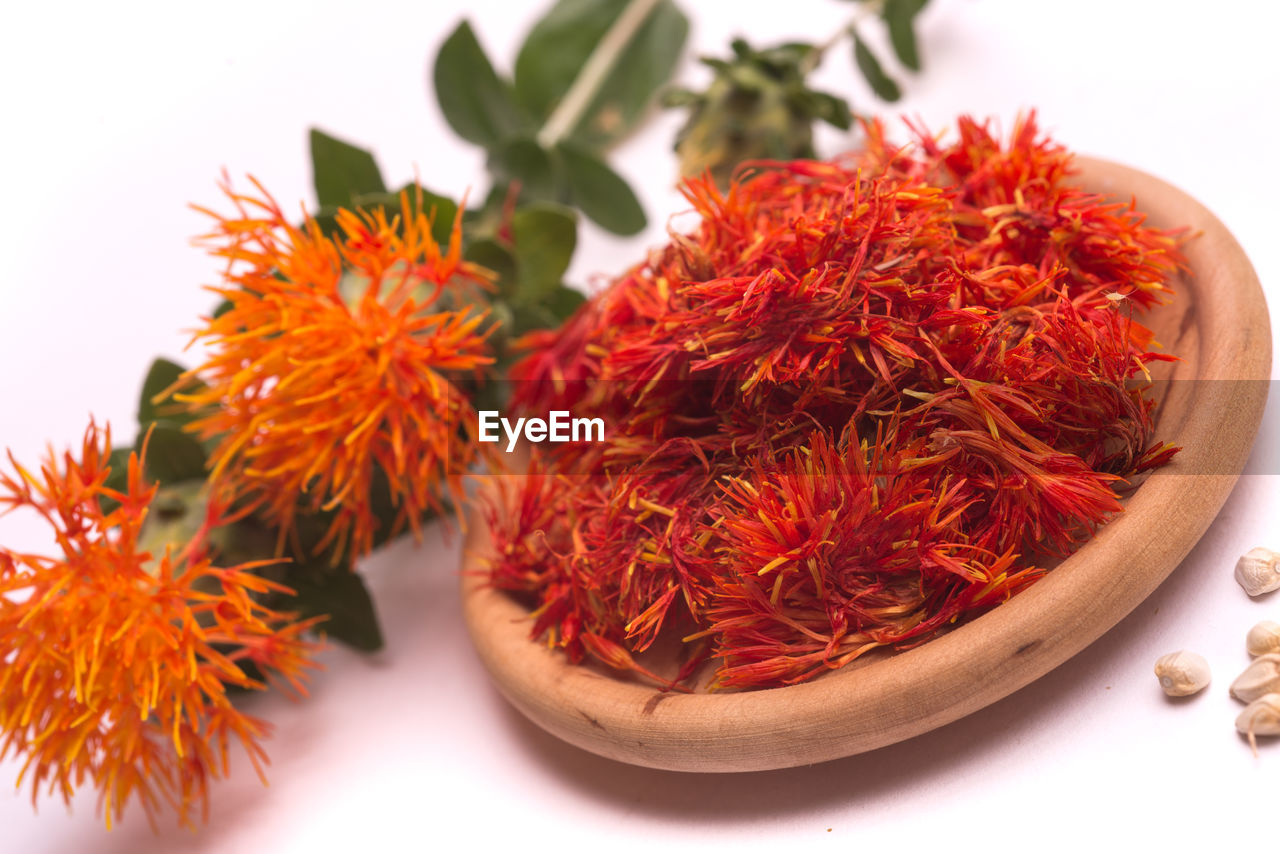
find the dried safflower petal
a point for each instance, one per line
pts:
(859, 402)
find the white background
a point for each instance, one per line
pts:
(115, 116)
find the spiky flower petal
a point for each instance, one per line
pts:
(333, 374)
(115, 661)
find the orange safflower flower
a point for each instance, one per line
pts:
(114, 661)
(336, 358)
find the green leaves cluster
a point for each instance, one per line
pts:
(527, 250)
(529, 253)
(347, 176)
(177, 463)
(583, 80)
(899, 18)
(759, 104)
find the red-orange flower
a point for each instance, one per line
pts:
(337, 359)
(115, 662)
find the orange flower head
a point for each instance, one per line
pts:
(115, 661)
(337, 362)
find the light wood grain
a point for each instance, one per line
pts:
(1217, 324)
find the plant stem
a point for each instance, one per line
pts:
(594, 71)
(860, 14)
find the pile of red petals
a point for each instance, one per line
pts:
(861, 401)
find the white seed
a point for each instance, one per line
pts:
(1261, 717)
(1259, 571)
(1259, 678)
(1182, 673)
(1263, 638)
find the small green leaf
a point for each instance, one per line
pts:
(161, 376)
(442, 210)
(551, 311)
(496, 257)
(388, 201)
(339, 593)
(899, 16)
(880, 83)
(832, 110)
(476, 103)
(563, 302)
(522, 160)
(119, 464)
(559, 45)
(601, 193)
(312, 526)
(223, 307)
(341, 171)
(177, 514)
(493, 394)
(544, 236)
(172, 456)
(327, 219)
(118, 480)
(680, 98)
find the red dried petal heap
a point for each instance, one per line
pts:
(862, 401)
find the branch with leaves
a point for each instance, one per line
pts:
(583, 81)
(346, 357)
(759, 105)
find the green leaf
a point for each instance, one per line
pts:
(554, 308)
(442, 210)
(387, 200)
(326, 218)
(544, 236)
(160, 377)
(118, 480)
(476, 103)
(563, 302)
(832, 110)
(601, 193)
(312, 526)
(118, 461)
(559, 45)
(899, 16)
(496, 257)
(680, 98)
(880, 83)
(493, 394)
(523, 160)
(176, 516)
(341, 171)
(172, 455)
(340, 593)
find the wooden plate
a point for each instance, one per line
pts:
(1217, 324)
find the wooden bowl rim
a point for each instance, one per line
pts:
(962, 671)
